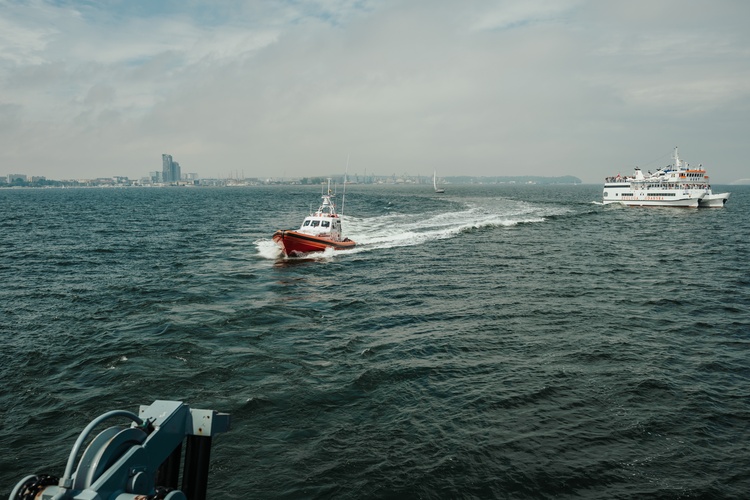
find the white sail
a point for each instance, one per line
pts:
(434, 183)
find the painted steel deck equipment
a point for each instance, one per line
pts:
(136, 462)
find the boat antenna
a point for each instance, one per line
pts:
(343, 196)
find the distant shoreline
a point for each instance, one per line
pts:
(447, 181)
(307, 181)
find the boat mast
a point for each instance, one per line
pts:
(343, 196)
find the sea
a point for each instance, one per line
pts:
(494, 341)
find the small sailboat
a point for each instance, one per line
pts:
(434, 183)
(320, 230)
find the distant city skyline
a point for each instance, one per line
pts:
(292, 89)
(157, 178)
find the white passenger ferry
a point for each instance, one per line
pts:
(677, 185)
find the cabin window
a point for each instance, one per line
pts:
(315, 223)
(325, 223)
(307, 223)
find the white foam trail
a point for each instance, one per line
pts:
(397, 229)
(267, 249)
(394, 230)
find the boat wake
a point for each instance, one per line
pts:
(397, 230)
(267, 249)
(408, 229)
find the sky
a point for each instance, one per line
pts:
(276, 88)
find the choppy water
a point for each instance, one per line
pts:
(491, 342)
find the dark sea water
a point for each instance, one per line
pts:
(491, 342)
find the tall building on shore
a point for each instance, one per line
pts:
(170, 169)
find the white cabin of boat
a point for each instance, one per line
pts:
(324, 222)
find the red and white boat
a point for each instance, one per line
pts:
(320, 230)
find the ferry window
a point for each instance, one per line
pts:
(307, 223)
(325, 223)
(315, 223)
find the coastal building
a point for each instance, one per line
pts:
(170, 169)
(16, 178)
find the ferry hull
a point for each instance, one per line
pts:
(295, 244)
(714, 200)
(685, 203)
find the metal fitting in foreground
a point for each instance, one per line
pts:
(139, 462)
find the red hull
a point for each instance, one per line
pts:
(293, 243)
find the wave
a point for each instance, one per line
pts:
(396, 230)
(267, 249)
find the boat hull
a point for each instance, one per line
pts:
(295, 244)
(714, 200)
(685, 203)
(625, 194)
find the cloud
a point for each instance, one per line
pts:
(536, 87)
(516, 14)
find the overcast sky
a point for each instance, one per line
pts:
(589, 88)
